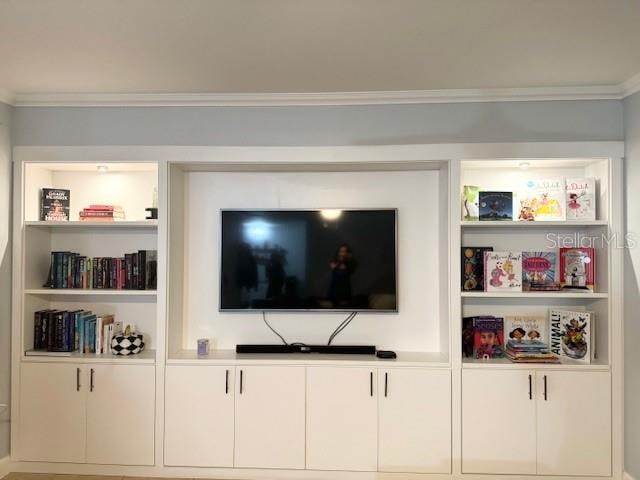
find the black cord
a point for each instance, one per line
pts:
(264, 318)
(344, 324)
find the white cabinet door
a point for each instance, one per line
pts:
(414, 420)
(574, 423)
(199, 416)
(52, 413)
(342, 423)
(270, 417)
(121, 414)
(498, 421)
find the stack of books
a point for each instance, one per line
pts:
(102, 213)
(525, 351)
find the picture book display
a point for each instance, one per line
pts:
(55, 204)
(526, 340)
(472, 260)
(503, 271)
(539, 271)
(495, 206)
(581, 198)
(470, 205)
(578, 269)
(543, 200)
(488, 337)
(572, 335)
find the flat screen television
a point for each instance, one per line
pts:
(309, 260)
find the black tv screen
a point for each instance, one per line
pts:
(341, 260)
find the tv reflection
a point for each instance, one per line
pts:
(342, 266)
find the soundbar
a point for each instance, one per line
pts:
(300, 348)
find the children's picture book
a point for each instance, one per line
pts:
(470, 210)
(581, 198)
(571, 335)
(503, 271)
(544, 199)
(472, 261)
(578, 269)
(467, 337)
(488, 340)
(526, 329)
(496, 206)
(55, 204)
(539, 271)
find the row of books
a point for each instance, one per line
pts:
(563, 335)
(549, 199)
(489, 271)
(134, 271)
(73, 331)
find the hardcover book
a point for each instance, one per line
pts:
(503, 271)
(496, 206)
(545, 199)
(571, 335)
(55, 204)
(473, 268)
(488, 340)
(470, 209)
(578, 269)
(526, 330)
(581, 198)
(539, 271)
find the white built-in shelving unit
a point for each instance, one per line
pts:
(429, 414)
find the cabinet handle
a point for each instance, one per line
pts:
(240, 382)
(545, 388)
(77, 379)
(386, 383)
(371, 383)
(226, 382)
(530, 388)
(91, 380)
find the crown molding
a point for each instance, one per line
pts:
(606, 92)
(631, 85)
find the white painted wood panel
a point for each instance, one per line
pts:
(52, 413)
(498, 422)
(342, 418)
(574, 423)
(121, 414)
(199, 416)
(414, 420)
(270, 410)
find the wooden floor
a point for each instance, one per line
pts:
(52, 476)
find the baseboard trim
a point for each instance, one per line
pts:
(5, 467)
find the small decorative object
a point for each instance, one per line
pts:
(55, 204)
(151, 213)
(203, 346)
(496, 206)
(127, 343)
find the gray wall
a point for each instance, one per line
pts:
(326, 125)
(5, 274)
(632, 290)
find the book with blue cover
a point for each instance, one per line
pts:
(496, 206)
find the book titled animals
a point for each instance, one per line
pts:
(581, 198)
(578, 269)
(572, 335)
(472, 259)
(55, 204)
(539, 271)
(503, 271)
(495, 206)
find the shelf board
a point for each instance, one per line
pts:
(150, 224)
(145, 357)
(89, 292)
(226, 357)
(516, 224)
(533, 295)
(505, 363)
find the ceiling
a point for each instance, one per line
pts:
(241, 46)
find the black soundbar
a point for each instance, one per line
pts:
(298, 348)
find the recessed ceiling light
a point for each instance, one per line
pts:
(103, 168)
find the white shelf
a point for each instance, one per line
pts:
(533, 295)
(510, 224)
(150, 224)
(90, 292)
(222, 357)
(145, 357)
(505, 363)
